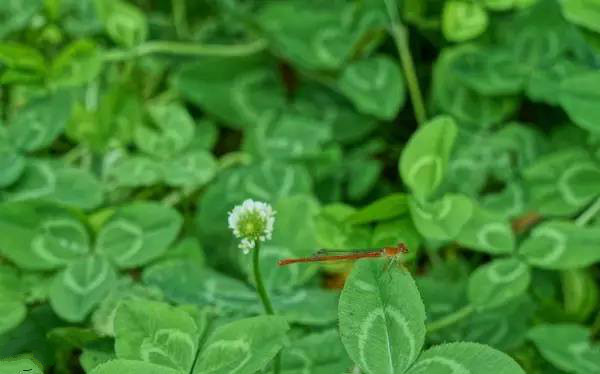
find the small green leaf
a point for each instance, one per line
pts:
(390, 206)
(401, 230)
(374, 85)
(156, 333)
(41, 236)
(138, 233)
(56, 182)
(443, 219)
(12, 163)
(243, 346)
(124, 22)
(12, 306)
(78, 63)
(580, 292)
(463, 20)
(464, 358)
(132, 367)
(192, 169)
(425, 157)
(21, 365)
(134, 171)
(579, 95)
(582, 12)
(175, 128)
(77, 289)
(561, 245)
(568, 347)
(40, 122)
(562, 182)
(382, 318)
(22, 63)
(498, 282)
(316, 353)
(487, 232)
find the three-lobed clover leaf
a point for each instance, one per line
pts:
(382, 324)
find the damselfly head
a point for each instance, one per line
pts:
(395, 251)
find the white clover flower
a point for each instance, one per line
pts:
(251, 222)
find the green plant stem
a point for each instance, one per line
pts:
(184, 48)
(400, 35)
(264, 298)
(588, 214)
(179, 20)
(450, 319)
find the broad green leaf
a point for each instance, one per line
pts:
(132, 367)
(567, 346)
(124, 22)
(56, 182)
(561, 245)
(39, 236)
(317, 353)
(425, 157)
(12, 163)
(191, 169)
(390, 206)
(453, 96)
(487, 232)
(31, 335)
(174, 130)
(103, 318)
(77, 289)
(463, 20)
(498, 282)
(290, 135)
(96, 353)
(579, 95)
(134, 171)
(242, 91)
(40, 122)
(243, 346)
(78, 63)
(138, 233)
(374, 85)
(545, 82)
(464, 358)
(582, 12)
(307, 306)
(488, 71)
(156, 333)
(382, 318)
(508, 203)
(562, 182)
(443, 219)
(503, 328)
(315, 35)
(185, 283)
(21, 365)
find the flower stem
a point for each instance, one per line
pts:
(400, 35)
(185, 48)
(264, 298)
(450, 319)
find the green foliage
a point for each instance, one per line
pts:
(469, 131)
